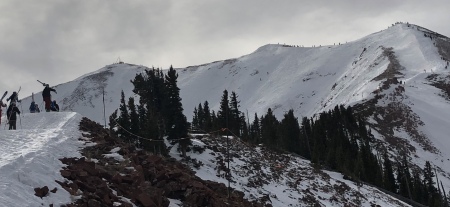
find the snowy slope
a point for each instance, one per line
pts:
(85, 94)
(302, 78)
(29, 157)
(280, 180)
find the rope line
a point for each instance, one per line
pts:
(140, 137)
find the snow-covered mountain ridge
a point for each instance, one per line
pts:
(409, 115)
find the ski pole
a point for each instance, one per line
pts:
(20, 121)
(21, 109)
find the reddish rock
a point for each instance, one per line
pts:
(154, 159)
(145, 200)
(82, 173)
(65, 173)
(41, 192)
(117, 178)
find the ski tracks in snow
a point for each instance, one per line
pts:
(29, 157)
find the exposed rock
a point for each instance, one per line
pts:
(146, 179)
(41, 192)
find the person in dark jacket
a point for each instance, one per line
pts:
(47, 96)
(14, 98)
(33, 107)
(11, 113)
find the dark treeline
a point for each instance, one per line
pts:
(158, 114)
(338, 140)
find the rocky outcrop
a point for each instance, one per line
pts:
(142, 178)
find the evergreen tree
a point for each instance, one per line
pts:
(223, 115)
(269, 126)
(124, 119)
(388, 175)
(207, 123)
(176, 121)
(134, 117)
(305, 146)
(201, 116)
(243, 128)
(151, 89)
(255, 131)
(404, 178)
(195, 124)
(113, 122)
(289, 132)
(234, 119)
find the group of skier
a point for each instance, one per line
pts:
(13, 110)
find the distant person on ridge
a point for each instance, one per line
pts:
(47, 96)
(54, 106)
(11, 114)
(33, 107)
(1, 106)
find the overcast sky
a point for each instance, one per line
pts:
(57, 41)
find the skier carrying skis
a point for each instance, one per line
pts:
(11, 114)
(14, 98)
(47, 96)
(1, 106)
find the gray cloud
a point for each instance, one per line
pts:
(57, 41)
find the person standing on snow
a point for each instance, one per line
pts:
(1, 106)
(12, 116)
(47, 96)
(33, 107)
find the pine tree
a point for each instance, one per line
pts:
(207, 124)
(177, 126)
(289, 132)
(151, 89)
(305, 146)
(124, 119)
(195, 124)
(113, 122)
(134, 117)
(269, 126)
(255, 131)
(223, 115)
(388, 175)
(200, 116)
(234, 119)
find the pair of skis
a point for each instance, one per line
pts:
(6, 92)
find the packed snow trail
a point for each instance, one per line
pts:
(29, 157)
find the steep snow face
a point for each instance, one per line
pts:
(29, 157)
(308, 80)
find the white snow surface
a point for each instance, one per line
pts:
(29, 157)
